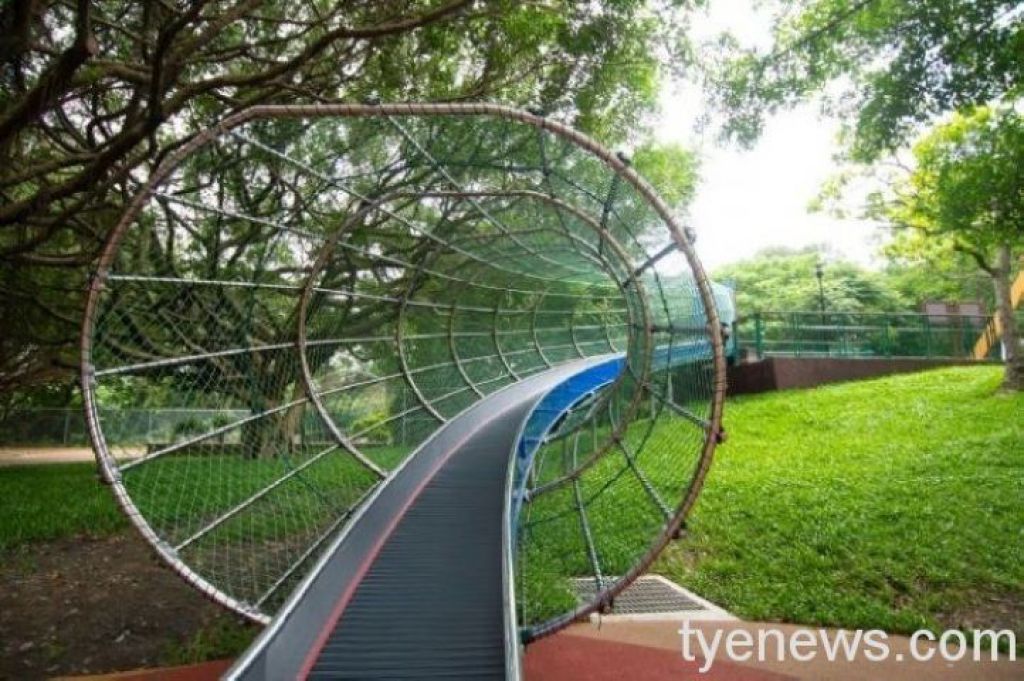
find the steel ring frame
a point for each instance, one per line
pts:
(107, 463)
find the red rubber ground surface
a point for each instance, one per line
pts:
(567, 658)
(557, 658)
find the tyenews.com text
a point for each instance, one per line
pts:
(768, 644)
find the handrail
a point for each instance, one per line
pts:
(861, 334)
(995, 327)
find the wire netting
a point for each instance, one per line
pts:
(322, 288)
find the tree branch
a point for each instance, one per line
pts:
(54, 83)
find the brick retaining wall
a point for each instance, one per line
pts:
(783, 373)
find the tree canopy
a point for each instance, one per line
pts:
(889, 66)
(965, 190)
(783, 279)
(890, 69)
(96, 93)
(942, 276)
(964, 194)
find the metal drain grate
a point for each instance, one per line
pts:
(647, 595)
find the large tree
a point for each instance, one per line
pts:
(96, 93)
(917, 277)
(966, 194)
(890, 66)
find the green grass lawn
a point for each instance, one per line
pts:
(890, 503)
(60, 500)
(53, 501)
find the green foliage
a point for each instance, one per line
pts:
(944, 277)
(45, 395)
(671, 169)
(371, 422)
(783, 280)
(190, 426)
(964, 193)
(70, 141)
(890, 65)
(889, 503)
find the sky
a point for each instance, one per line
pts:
(752, 199)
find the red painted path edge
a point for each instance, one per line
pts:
(565, 657)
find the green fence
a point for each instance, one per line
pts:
(848, 334)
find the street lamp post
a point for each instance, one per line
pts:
(819, 272)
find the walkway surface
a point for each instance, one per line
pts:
(24, 456)
(18, 456)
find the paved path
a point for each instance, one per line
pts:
(24, 456)
(17, 456)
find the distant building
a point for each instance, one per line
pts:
(943, 312)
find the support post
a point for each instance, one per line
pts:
(758, 335)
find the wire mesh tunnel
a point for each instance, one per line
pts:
(317, 290)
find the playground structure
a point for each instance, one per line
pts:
(447, 360)
(989, 339)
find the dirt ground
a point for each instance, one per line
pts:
(996, 611)
(77, 606)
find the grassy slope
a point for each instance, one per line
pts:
(881, 503)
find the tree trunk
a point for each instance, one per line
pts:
(274, 435)
(271, 436)
(266, 437)
(1013, 379)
